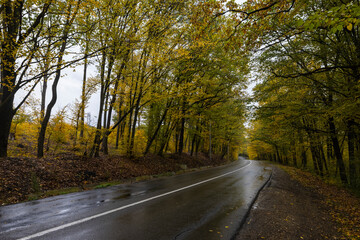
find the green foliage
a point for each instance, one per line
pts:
(308, 90)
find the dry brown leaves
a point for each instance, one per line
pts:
(345, 207)
(23, 177)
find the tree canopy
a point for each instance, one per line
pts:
(308, 90)
(170, 74)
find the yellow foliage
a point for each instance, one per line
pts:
(140, 141)
(258, 147)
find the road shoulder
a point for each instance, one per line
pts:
(287, 210)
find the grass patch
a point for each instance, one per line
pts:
(50, 193)
(61, 191)
(102, 185)
(106, 184)
(143, 178)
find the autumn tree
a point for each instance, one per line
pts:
(34, 37)
(118, 22)
(20, 24)
(70, 12)
(168, 69)
(206, 69)
(312, 71)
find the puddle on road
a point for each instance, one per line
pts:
(64, 211)
(138, 193)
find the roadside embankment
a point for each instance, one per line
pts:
(298, 205)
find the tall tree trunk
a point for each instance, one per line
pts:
(131, 105)
(11, 25)
(210, 142)
(7, 112)
(43, 97)
(47, 62)
(6, 116)
(318, 149)
(118, 128)
(337, 151)
(323, 159)
(351, 150)
(329, 150)
(107, 111)
(133, 130)
(113, 99)
(105, 129)
(83, 92)
(303, 158)
(181, 136)
(9, 29)
(150, 141)
(64, 39)
(166, 137)
(96, 145)
(278, 155)
(121, 126)
(303, 150)
(294, 156)
(193, 141)
(76, 128)
(314, 157)
(198, 141)
(129, 123)
(41, 137)
(182, 127)
(176, 140)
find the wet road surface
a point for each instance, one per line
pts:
(208, 204)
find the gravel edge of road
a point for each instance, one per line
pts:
(284, 209)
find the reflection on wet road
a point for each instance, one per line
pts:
(208, 204)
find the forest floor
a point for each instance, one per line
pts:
(299, 205)
(23, 179)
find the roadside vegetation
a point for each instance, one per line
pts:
(24, 178)
(308, 91)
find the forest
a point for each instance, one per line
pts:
(308, 93)
(168, 74)
(172, 76)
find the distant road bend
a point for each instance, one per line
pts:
(208, 204)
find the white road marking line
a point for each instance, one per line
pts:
(42, 233)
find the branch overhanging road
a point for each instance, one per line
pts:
(208, 204)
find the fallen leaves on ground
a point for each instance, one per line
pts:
(345, 207)
(20, 178)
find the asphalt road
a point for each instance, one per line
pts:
(208, 204)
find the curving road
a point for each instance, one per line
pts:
(208, 204)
